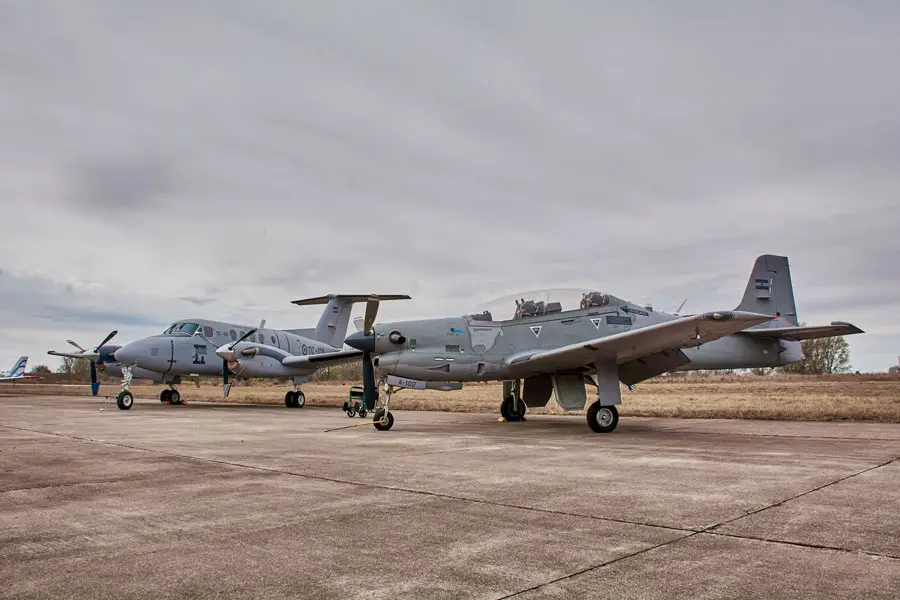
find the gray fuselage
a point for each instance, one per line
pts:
(464, 349)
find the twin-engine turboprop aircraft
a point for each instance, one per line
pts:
(545, 350)
(206, 347)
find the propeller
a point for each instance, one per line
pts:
(93, 355)
(226, 384)
(370, 388)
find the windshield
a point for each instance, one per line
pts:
(182, 328)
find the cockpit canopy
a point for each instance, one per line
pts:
(183, 328)
(537, 303)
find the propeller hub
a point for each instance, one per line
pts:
(361, 341)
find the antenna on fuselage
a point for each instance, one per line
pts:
(678, 310)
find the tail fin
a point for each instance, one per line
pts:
(332, 326)
(769, 290)
(19, 368)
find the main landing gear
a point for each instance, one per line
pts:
(513, 407)
(602, 419)
(295, 399)
(170, 396)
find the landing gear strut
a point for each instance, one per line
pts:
(513, 407)
(295, 399)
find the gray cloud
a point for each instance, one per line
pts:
(230, 159)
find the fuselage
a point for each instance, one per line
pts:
(465, 349)
(188, 347)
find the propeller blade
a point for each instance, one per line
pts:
(371, 313)
(74, 344)
(111, 335)
(226, 387)
(64, 354)
(242, 338)
(95, 385)
(370, 389)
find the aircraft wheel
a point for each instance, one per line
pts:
(124, 400)
(379, 415)
(512, 414)
(165, 396)
(289, 399)
(174, 397)
(602, 419)
(299, 400)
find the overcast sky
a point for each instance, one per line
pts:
(162, 160)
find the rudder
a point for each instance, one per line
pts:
(769, 290)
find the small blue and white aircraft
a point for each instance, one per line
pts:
(17, 373)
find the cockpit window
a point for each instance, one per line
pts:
(182, 328)
(591, 299)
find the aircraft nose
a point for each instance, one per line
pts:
(361, 341)
(126, 355)
(148, 353)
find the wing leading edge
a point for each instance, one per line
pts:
(684, 332)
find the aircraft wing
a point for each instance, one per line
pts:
(323, 360)
(796, 334)
(684, 332)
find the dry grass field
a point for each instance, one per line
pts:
(830, 398)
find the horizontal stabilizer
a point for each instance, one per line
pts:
(349, 298)
(796, 334)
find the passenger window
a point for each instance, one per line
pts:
(412, 343)
(261, 338)
(274, 342)
(232, 334)
(208, 332)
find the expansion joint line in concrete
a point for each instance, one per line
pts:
(710, 531)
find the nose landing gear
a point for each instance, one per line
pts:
(125, 399)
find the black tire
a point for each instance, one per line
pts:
(289, 399)
(174, 397)
(511, 414)
(602, 419)
(124, 400)
(363, 412)
(351, 412)
(299, 400)
(165, 396)
(376, 420)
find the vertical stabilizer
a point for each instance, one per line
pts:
(19, 368)
(769, 290)
(332, 326)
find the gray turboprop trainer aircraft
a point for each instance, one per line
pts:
(545, 350)
(187, 348)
